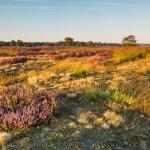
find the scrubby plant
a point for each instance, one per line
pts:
(12, 60)
(23, 107)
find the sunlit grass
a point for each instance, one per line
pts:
(75, 65)
(96, 98)
(7, 52)
(130, 54)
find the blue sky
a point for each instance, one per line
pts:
(84, 20)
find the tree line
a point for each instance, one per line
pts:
(60, 43)
(68, 41)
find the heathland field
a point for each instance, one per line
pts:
(75, 98)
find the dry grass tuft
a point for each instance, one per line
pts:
(87, 119)
(4, 137)
(113, 119)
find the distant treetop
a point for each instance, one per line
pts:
(129, 40)
(69, 41)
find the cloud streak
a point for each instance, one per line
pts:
(63, 4)
(67, 2)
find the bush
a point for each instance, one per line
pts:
(23, 107)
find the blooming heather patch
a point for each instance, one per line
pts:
(23, 107)
(13, 60)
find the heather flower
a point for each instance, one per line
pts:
(25, 107)
(1, 112)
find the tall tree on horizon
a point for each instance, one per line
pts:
(13, 43)
(129, 40)
(69, 41)
(19, 43)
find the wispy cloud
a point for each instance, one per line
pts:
(70, 4)
(108, 4)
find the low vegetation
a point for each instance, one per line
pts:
(75, 97)
(24, 107)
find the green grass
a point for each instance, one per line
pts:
(122, 98)
(80, 74)
(95, 95)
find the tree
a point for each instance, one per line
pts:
(129, 40)
(13, 43)
(19, 43)
(69, 41)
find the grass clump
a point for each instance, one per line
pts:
(133, 57)
(95, 94)
(4, 138)
(12, 79)
(131, 54)
(133, 93)
(76, 67)
(112, 118)
(122, 97)
(80, 74)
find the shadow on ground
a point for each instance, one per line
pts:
(89, 127)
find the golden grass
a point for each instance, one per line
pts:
(11, 79)
(138, 66)
(112, 89)
(7, 52)
(4, 137)
(130, 54)
(76, 65)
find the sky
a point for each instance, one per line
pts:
(84, 20)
